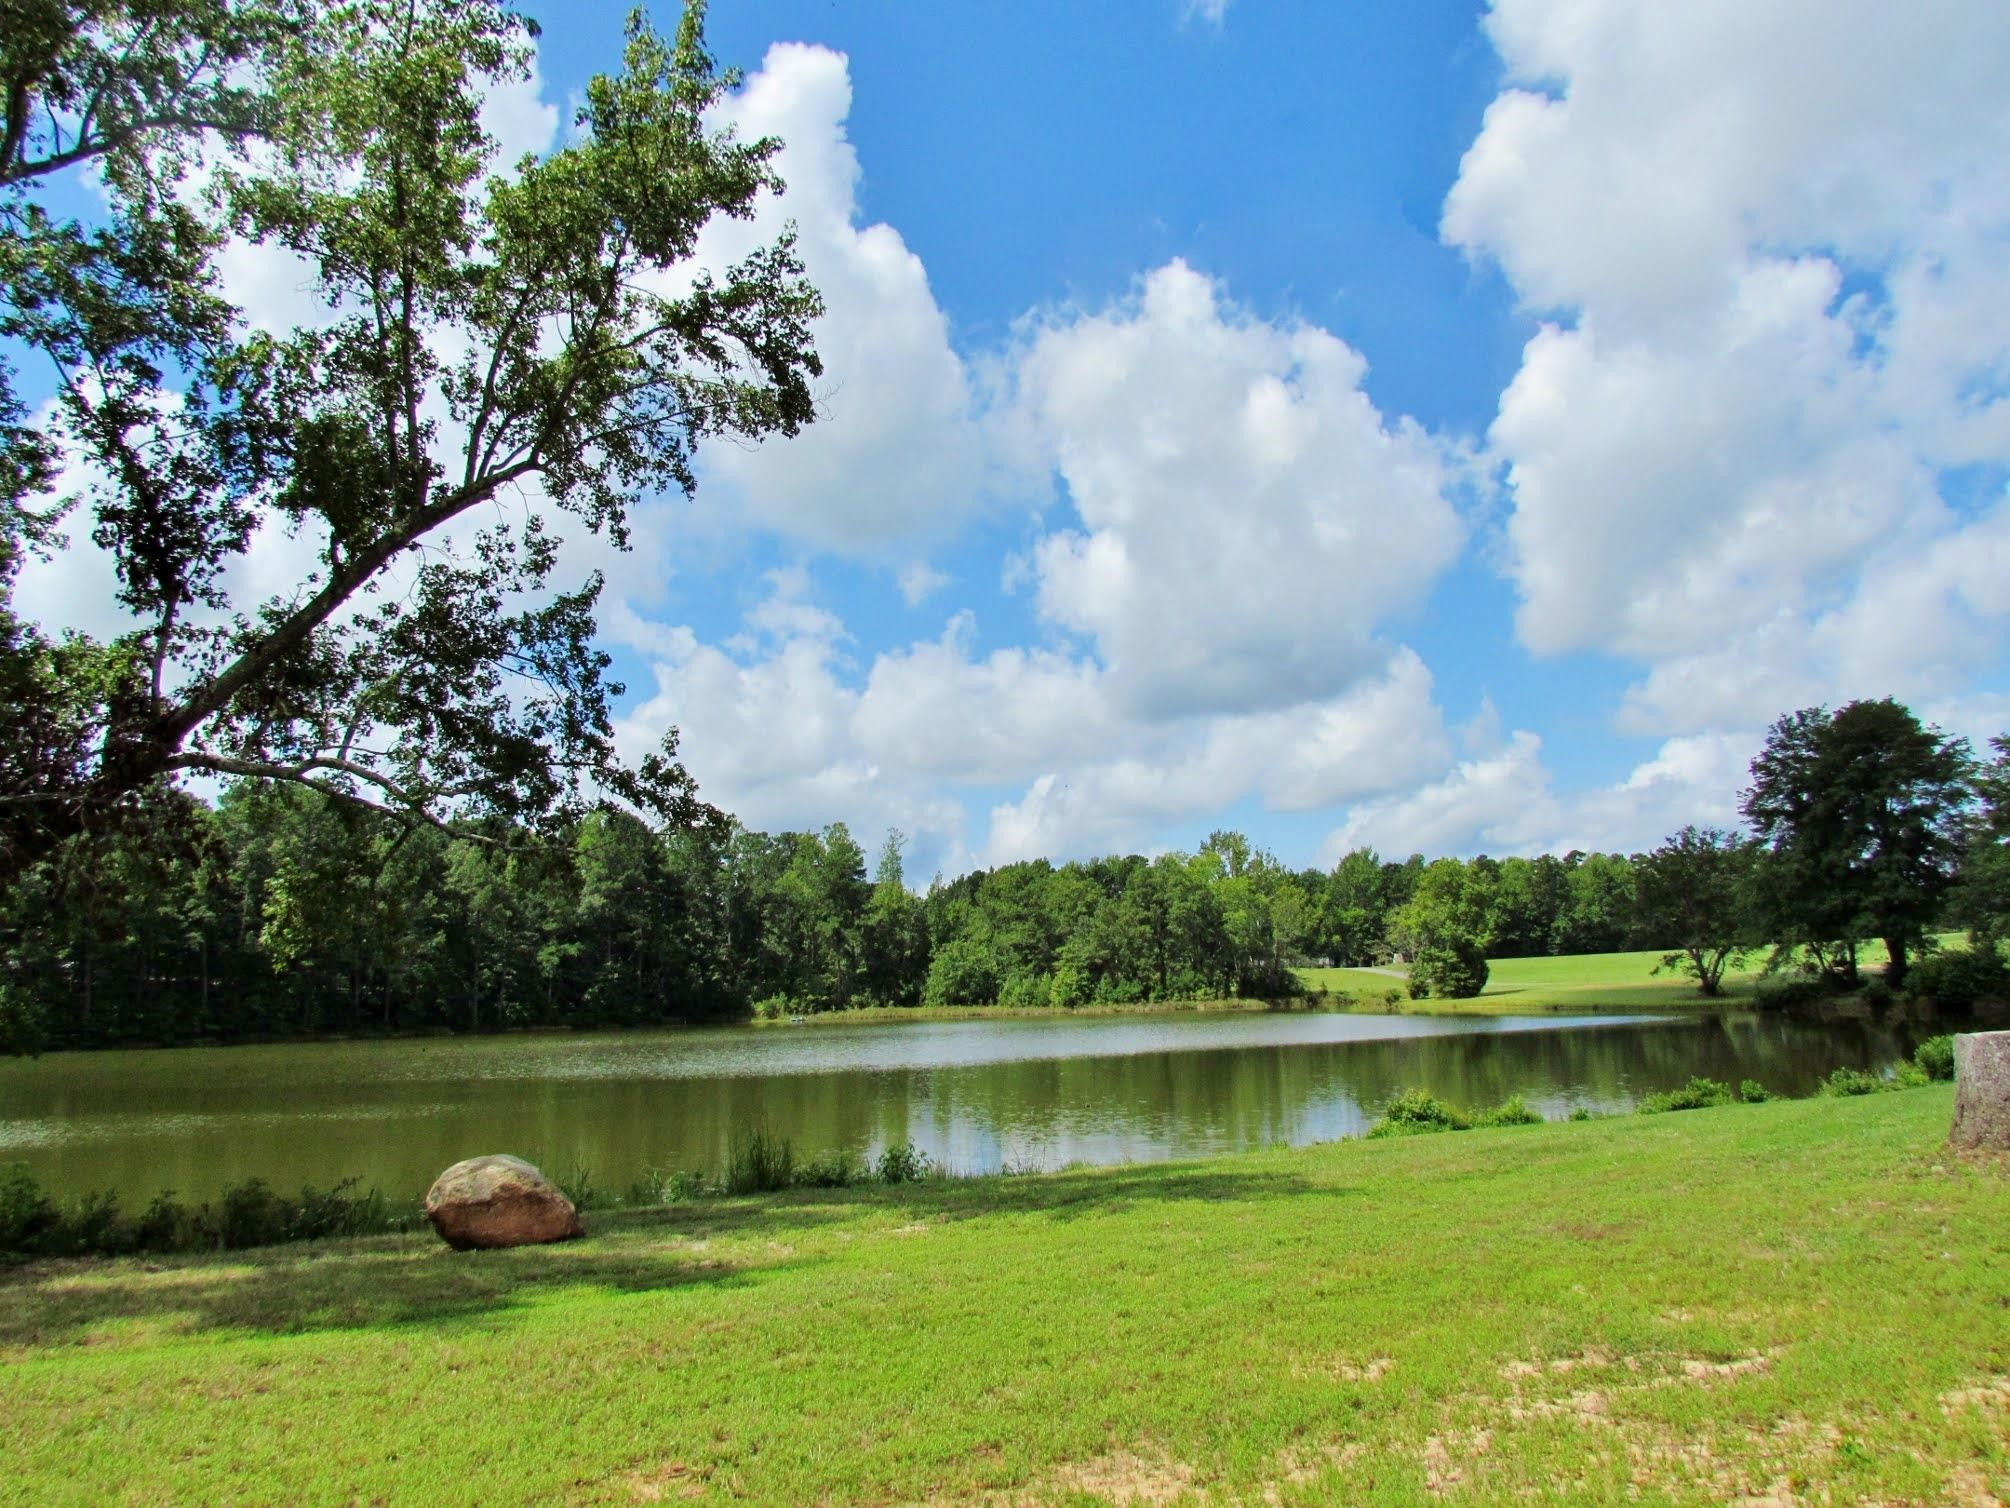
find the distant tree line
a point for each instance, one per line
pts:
(284, 911)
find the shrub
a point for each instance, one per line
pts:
(576, 1183)
(1416, 1112)
(1068, 987)
(759, 1163)
(1454, 971)
(1907, 1074)
(1849, 1081)
(1794, 990)
(245, 1214)
(905, 1163)
(1580, 1113)
(340, 1211)
(1511, 1113)
(1960, 977)
(1025, 990)
(1752, 1092)
(961, 973)
(658, 1187)
(94, 1226)
(1392, 996)
(777, 1007)
(165, 1225)
(833, 1170)
(1935, 1056)
(1697, 1094)
(1117, 989)
(29, 1219)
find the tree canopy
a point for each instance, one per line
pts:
(1696, 889)
(1861, 811)
(503, 343)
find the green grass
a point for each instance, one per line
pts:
(1803, 1298)
(1587, 982)
(1582, 981)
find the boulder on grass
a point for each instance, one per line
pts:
(499, 1201)
(1981, 1090)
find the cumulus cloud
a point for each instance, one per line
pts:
(1503, 802)
(1772, 241)
(1244, 516)
(895, 450)
(783, 728)
(1382, 735)
(919, 581)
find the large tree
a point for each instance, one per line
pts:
(1983, 896)
(502, 343)
(1861, 811)
(1695, 892)
(1443, 927)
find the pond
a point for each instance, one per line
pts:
(976, 1096)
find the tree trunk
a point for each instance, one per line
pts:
(1981, 1090)
(1894, 971)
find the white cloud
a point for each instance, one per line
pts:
(1383, 735)
(1776, 239)
(784, 730)
(1502, 802)
(918, 580)
(895, 451)
(1246, 517)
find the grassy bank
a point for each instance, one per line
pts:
(1578, 982)
(1802, 1298)
(1573, 982)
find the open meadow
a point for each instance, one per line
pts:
(1571, 982)
(1782, 1302)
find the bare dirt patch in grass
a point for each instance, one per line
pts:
(1993, 1394)
(1300, 1465)
(664, 1483)
(1446, 1458)
(1373, 1370)
(1124, 1478)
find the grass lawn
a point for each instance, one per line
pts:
(1574, 982)
(1800, 1301)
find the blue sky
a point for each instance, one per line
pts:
(1439, 426)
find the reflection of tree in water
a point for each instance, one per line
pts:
(1052, 1111)
(971, 1118)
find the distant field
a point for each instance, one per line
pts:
(1578, 981)
(1575, 981)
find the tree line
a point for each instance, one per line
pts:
(284, 911)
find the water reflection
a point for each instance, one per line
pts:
(975, 1095)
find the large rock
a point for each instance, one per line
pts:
(499, 1201)
(1981, 1090)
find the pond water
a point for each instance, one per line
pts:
(975, 1095)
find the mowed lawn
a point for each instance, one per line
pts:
(1803, 1301)
(1578, 981)
(1572, 982)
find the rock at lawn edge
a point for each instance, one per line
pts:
(499, 1201)
(1981, 1090)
